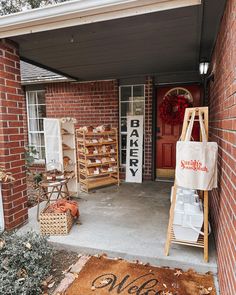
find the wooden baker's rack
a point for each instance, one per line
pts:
(202, 241)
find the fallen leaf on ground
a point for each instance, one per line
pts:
(2, 243)
(204, 291)
(21, 280)
(93, 288)
(97, 255)
(21, 273)
(67, 270)
(48, 279)
(178, 273)
(44, 283)
(51, 285)
(28, 245)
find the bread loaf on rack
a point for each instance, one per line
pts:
(103, 128)
(86, 129)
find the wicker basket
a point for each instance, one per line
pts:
(55, 223)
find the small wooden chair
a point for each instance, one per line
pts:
(52, 190)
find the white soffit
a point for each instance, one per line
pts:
(80, 12)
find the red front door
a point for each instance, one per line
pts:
(167, 135)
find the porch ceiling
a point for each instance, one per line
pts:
(161, 42)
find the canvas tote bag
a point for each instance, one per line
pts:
(196, 162)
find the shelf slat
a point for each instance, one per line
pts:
(97, 164)
(199, 243)
(95, 155)
(103, 181)
(97, 175)
(68, 149)
(112, 132)
(97, 143)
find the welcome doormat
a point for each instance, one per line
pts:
(103, 276)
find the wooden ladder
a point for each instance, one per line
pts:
(202, 241)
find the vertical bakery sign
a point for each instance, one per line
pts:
(134, 152)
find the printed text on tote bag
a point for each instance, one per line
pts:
(195, 165)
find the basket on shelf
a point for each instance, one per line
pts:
(55, 223)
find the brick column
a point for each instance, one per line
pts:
(222, 123)
(12, 135)
(148, 129)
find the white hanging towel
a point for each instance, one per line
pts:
(196, 162)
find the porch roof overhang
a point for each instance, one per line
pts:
(90, 40)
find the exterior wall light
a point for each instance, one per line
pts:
(203, 68)
(206, 78)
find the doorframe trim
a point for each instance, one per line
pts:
(154, 119)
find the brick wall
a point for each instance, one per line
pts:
(12, 135)
(148, 128)
(91, 103)
(223, 130)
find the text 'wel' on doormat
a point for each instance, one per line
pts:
(103, 276)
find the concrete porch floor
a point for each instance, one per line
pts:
(129, 221)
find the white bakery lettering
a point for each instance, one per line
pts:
(133, 152)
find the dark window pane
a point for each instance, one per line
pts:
(125, 93)
(123, 157)
(123, 141)
(138, 91)
(40, 125)
(123, 124)
(41, 97)
(125, 109)
(42, 111)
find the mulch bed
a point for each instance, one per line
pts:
(62, 260)
(104, 276)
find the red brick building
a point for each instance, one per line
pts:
(143, 52)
